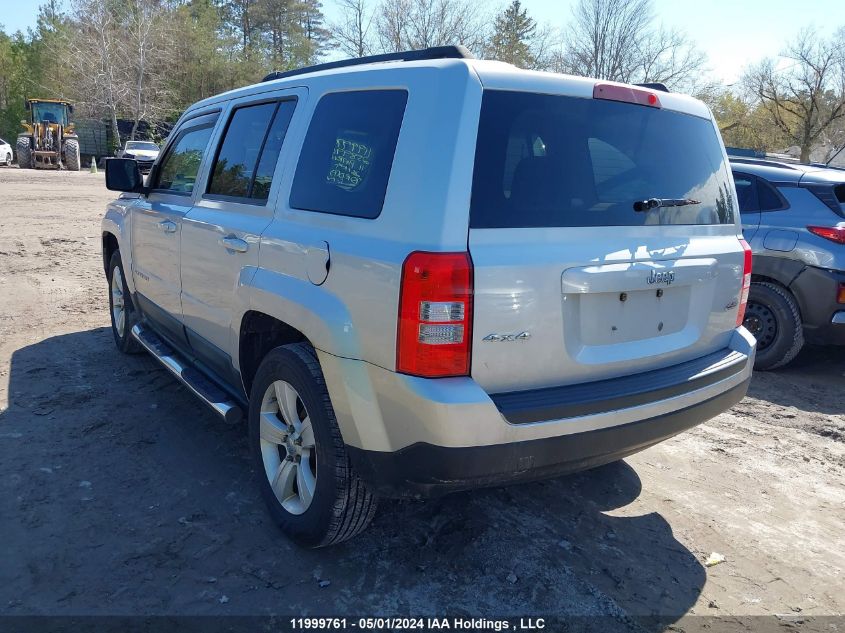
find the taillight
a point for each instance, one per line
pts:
(832, 233)
(435, 315)
(840, 294)
(746, 282)
(627, 94)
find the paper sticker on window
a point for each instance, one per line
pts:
(350, 162)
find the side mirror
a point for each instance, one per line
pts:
(123, 174)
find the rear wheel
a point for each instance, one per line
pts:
(8, 160)
(306, 478)
(773, 317)
(72, 160)
(24, 153)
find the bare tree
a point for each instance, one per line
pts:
(351, 33)
(669, 57)
(620, 41)
(146, 37)
(412, 24)
(806, 97)
(96, 61)
(604, 37)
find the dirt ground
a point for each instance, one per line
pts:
(121, 494)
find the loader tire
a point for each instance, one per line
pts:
(24, 153)
(72, 160)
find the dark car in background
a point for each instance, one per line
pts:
(793, 216)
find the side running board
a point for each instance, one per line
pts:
(202, 387)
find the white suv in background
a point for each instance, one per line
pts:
(6, 153)
(419, 273)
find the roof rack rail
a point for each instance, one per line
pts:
(436, 52)
(654, 86)
(761, 162)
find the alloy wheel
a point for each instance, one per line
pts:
(118, 304)
(288, 447)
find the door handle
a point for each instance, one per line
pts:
(167, 226)
(233, 243)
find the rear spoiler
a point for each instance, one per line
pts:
(654, 86)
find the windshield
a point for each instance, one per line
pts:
(143, 145)
(49, 113)
(550, 161)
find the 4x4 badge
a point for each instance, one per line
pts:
(507, 338)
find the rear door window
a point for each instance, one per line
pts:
(769, 199)
(348, 153)
(249, 151)
(550, 161)
(746, 193)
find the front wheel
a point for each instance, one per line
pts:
(8, 160)
(306, 478)
(773, 317)
(24, 153)
(120, 307)
(72, 158)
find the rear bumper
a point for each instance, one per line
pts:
(425, 470)
(823, 317)
(411, 436)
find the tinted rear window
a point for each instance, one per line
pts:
(768, 197)
(548, 161)
(348, 152)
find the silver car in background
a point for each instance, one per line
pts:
(143, 152)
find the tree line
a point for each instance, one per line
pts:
(146, 60)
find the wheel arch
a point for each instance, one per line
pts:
(110, 245)
(259, 333)
(780, 271)
(277, 309)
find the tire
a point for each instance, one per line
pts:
(72, 159)
(23, 152)
(773, 317)
(340, 506)
(8, 160)
(118, 291)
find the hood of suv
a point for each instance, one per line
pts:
(142, 153)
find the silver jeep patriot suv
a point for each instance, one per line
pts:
(419, 273)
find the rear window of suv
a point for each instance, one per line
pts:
(348, 153)
(552, 161)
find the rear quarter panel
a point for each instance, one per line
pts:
(354, 312)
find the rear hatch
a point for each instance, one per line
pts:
(572, 284)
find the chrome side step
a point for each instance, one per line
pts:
(202, 387)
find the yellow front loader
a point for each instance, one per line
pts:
(49, 140)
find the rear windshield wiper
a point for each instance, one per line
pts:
(655, 203)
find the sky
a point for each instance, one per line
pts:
(733, 33)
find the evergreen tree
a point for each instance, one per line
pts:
(513, 32)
